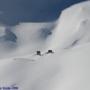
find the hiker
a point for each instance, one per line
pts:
(49, 51)
(38, 53)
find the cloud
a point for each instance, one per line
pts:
(2, 30)
(24, 37)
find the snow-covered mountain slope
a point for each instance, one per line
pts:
(71, 23)
(68, 68)
(25, 38)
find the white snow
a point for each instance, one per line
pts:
(68, 68)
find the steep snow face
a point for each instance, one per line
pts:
(69, 28)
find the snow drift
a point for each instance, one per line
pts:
(67, 69)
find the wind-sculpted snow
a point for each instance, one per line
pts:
(69, 24)
(68, 68)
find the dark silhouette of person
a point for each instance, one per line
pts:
(38, 53)
(50, 51)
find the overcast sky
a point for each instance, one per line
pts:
(15, 11)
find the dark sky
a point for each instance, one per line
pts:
(15, 11)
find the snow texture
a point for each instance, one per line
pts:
(68, 68)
